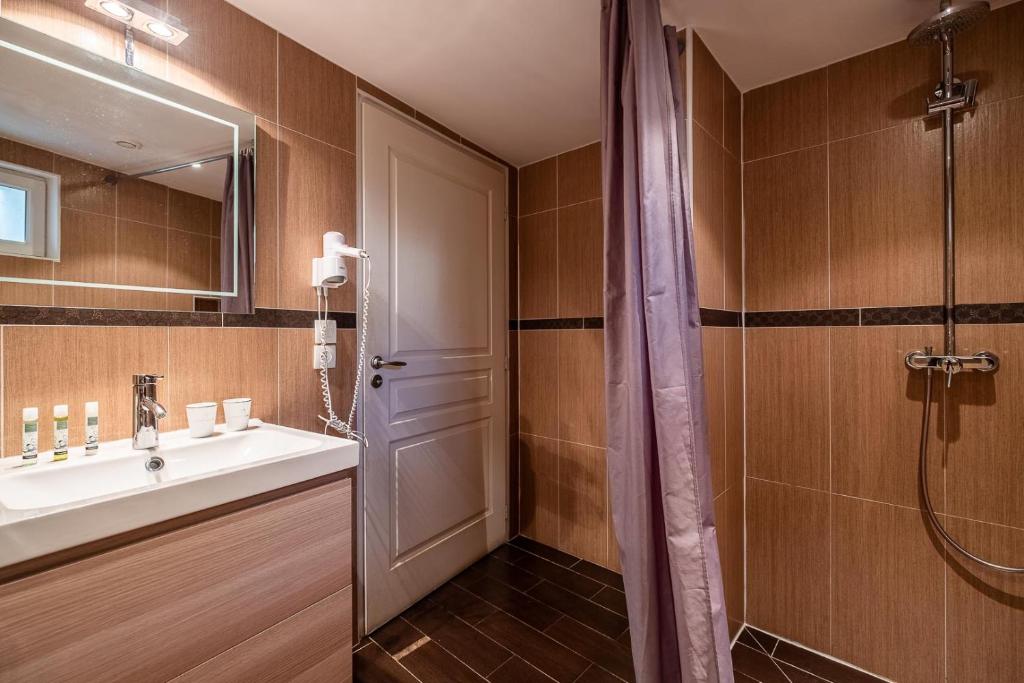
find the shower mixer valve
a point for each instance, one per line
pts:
(983, 361)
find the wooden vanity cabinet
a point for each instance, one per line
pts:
(262, 592)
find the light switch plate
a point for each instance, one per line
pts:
(332, 355)
(328, 330)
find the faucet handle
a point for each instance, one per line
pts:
(141, 380)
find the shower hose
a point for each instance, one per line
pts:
(923, 481)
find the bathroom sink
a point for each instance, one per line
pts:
(51, 506)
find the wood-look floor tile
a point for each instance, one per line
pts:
(611, 598)
(584, 611)
(538, 186)
(540, 550)
(757, 665)
(822, 667)
(785, 116)
(372, 665)
(470, 646)
(764, 641)
(508, 553)
(566, 578)
(516, 670)
(597, 573)
(396, 635)
(431, 663)
(511, 601)
(503, 571)
(596, 674)
(599, 649)
(538, 649)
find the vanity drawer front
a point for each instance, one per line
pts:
(313, 645)
(155, 609)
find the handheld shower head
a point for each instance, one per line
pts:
(950, 19)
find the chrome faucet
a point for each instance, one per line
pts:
(146, 412)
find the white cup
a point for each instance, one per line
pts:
(201, 418)
(236, 413)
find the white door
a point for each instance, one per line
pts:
(435, 471)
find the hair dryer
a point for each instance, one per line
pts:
(329, 270)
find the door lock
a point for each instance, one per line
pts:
(377, 363)
(376, 381)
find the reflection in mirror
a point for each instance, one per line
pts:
(118, 190)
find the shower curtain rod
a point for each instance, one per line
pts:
(114, 177)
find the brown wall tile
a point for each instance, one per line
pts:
(142, 201)
(538, 477)
(538, 382)
(787, 405)
(188, 265)
(984, 430)
(46, 366)
(876, 414)
(301, 402)
(708, 91)
(788, 562)
(732, 117)
(886, 552)
(734, 427)
(266, 215)
(581, 411)
(713, 346)
(309, 208)
(538, 186)
(538, 265)
(215, 363)
(786, 212)
(899, 77)
(785, 116)
(729, 528)
(580, 259)
(990, 204)
(885, 192)
(228, 56)
(87, 255)
(984, 614)
(190, 212)
(579, 175)
(708, 218)
(318, 98)
(82, 187)
(582, 502)
(26, 295)
(142, 261)
(732, 240)
(994, 53)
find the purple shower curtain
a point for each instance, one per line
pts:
(657, 444)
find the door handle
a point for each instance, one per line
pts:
(377, 363)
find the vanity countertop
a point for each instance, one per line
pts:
(52, 506)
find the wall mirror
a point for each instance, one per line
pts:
(117, 189)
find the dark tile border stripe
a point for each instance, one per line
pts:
(904, 315)
(713, 317)
(810, 318)
(710, 317)
(106, 317)
(989, 313)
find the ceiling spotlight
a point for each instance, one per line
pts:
(116, 9)
(158, 28)
(197, 165)
(140, 15)
(128, 144)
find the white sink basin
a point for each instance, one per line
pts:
(52, 506)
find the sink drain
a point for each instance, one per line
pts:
(154, 464)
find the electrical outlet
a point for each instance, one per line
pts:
(328, 330)
(332, 355)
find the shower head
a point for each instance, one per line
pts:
(949, 19)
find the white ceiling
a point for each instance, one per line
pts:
(522, 77)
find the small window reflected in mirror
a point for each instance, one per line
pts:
(29, 212)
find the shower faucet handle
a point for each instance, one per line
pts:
(983, 361)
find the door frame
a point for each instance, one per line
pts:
(359, 493)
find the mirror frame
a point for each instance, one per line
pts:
(55, 52)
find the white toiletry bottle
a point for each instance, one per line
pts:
(60, 432)
(92, 427)
(30, 434)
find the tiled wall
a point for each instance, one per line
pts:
(306, 184)
(843, 210)
(134, 232)
(718, 231)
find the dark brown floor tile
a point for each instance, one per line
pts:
(599, 649)
(465, 605)
(596, 674)
(764, 641)
(516, 670)
(432, 664)
(547, 552)
(361, 644)
(743, 678)
(582, 610)
(820, 666)
(372, 665)
(517, 604)
(605, 576)
(566, 578)
(396, 635)
(624, 640)
(513, 575)
(471, 574)
(431, 619)
(536, 648)
(756, 664)
(509, 553)
(796, 675)
(612, 599)
(470, 646)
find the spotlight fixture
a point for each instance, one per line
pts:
(140, 15)
(197, 165)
